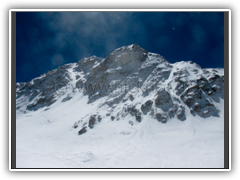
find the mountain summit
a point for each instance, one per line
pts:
(130, 87)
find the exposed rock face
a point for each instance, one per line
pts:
(171, 113)
(99, 118)
(196, 100)
(92, 121)
(67, 98)
(43, 91)
(146, 107)
(181, 86)
(163, 100)
(125, 82)
(112, 118)
(181, 113)
(161, 117)
(134, 112)
(82, 131)
(131, 97)
(138, 116)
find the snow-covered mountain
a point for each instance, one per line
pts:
(131, 109)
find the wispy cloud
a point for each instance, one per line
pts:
(83, 29)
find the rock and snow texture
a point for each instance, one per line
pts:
(131, 109)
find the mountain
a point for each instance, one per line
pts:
(109, 112)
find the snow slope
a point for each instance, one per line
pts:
(46, 140)
(183, 127)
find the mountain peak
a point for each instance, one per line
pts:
(129, 48)
(134, 46)
(136, 67)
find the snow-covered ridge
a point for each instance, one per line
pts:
(134, 68)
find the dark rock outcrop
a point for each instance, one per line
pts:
(82, 131)
(67, 98)
(138, 117)
(163, 100)
(171, 113)
(92, 121)
(197, 101)
(181, 113)
(112, 118)
(99, 118)
(134, 112)
(146, 107)
(161, 117)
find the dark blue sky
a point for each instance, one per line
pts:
(47, 40)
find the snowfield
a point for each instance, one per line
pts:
(45, 140)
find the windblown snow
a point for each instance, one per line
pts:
(132, 109)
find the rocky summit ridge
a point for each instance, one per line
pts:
(128, 84)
